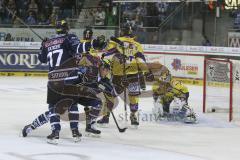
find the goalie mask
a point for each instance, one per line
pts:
(165, 77)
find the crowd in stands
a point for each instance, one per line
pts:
(145, 14)
(36, 12)
(46, 12)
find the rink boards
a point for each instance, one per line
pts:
(184, 62)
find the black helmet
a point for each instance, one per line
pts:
(127, 30)
(62, 27)
(87, 33)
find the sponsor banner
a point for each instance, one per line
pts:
(25, 74)
(24, 34)
(19, 45)
(196, 82)
(148, 48)
(193, 50)
(180, 66)
(185, 66)
(21, 60)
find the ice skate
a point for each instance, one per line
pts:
(53, 138)
(134, 121)
(76, 135)
(104, 121)
(26, 130)
(92, 131)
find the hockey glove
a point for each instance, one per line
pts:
(149, 76)
(81, 75)
(106, 86)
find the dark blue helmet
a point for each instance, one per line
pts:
(87, 33)
(127, 29)
(62, 27)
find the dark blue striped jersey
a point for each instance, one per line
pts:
(60, 49)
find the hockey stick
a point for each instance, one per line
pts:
(124, 74)
(121, 130)
(26, 25)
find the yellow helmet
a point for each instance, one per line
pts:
(179, 86)
(165, 76)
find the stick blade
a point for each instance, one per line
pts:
(121, 130)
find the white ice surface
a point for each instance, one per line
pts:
(24, 98)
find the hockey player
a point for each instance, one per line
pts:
(171, 99)
(127, 63)
(63, 92)
(104, 86)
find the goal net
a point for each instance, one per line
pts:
(222, 87)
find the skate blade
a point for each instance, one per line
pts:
(191, 122)
(87, 134)
(102, 125)
(54, 142)
(77, 139)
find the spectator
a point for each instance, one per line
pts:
(11, 5)
(33, 7)
(8, 37)
(53, 18)
(162, 10)
(1, 11)
(206, 41)
(16, 22)
(43, 20)
(66, 8)
(90, 18)
(31, 19)
(21, 7)
(46, 7)
(100, 17)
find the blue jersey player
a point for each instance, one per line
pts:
(61, 53)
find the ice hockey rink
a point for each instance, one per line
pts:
(24, 98)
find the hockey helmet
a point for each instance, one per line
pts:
(165, 76)
(127, 30)
(62, 27)
(87, 33)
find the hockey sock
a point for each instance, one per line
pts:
(54, 118)
(134, 107)
(73, 114)
(40, 120)
(94, 113)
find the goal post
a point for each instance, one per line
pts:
(217, 86)
(221, 87)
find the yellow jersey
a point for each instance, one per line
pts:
(132, 51)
